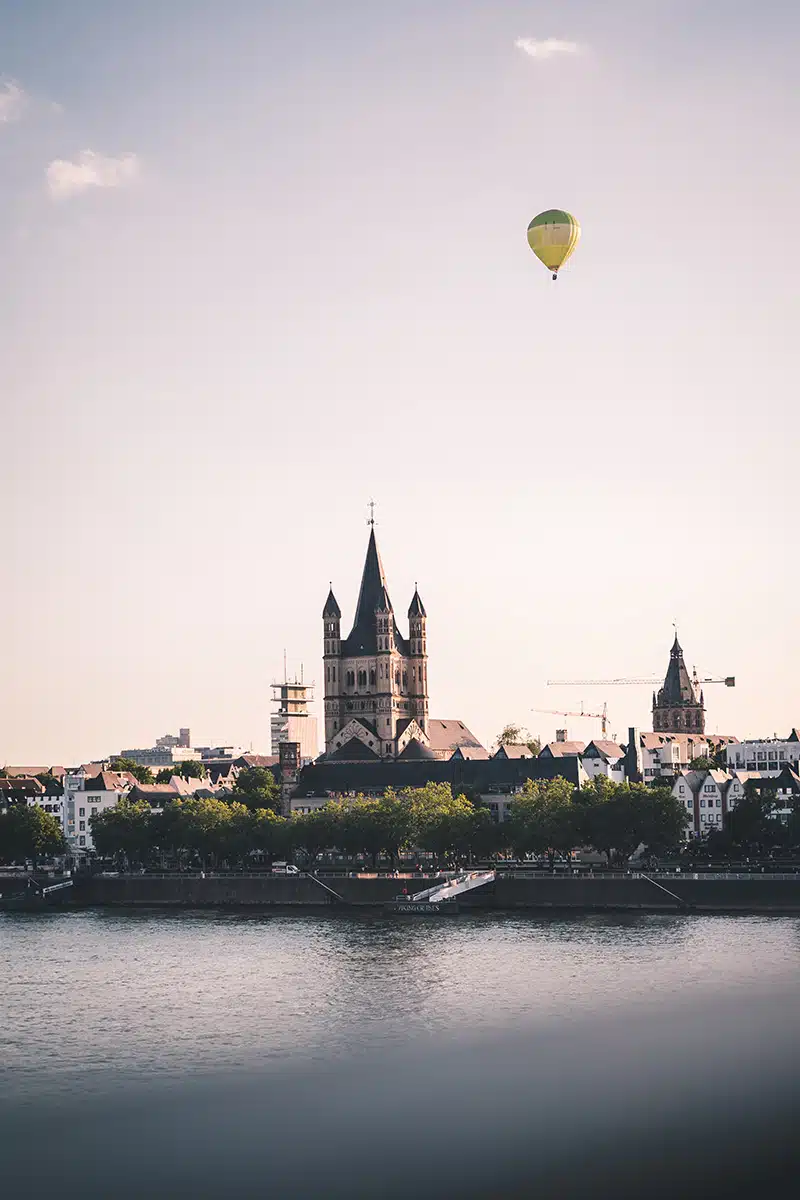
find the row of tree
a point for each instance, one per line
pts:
(29, 833)
(547, 818)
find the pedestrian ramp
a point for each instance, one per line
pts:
(456, 886)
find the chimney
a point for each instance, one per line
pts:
(561, 735)
(633, 757)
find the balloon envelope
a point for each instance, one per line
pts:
(552, 236)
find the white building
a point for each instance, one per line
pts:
(96, 794)
(703, 794)
(602, 757)
(768, 756)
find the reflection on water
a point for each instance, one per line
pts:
(88, 994)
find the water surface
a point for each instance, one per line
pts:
(89, 995)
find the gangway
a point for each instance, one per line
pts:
(314, 879)
(440, 897)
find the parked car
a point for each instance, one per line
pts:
(282, 868)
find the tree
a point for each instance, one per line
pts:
(753, 824)
(311, 833)
(190, 770)
(616, 818)
(29, 832)
(702, 763)
(165, 775)
(255, 787)
(140, 773)
(544, 819)
(124, 832)
(511, 735)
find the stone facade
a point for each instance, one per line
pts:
(678, 707)
(376, 680)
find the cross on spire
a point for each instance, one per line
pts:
(371, 517)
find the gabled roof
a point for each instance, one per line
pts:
(470, 753)
(353, 751)
(562, 749)
(446, 735)
(22, 784)
(602, 748)
(794, 736)
(519, 750)
(109, 781)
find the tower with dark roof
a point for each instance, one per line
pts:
(679, 706)
(376, 680)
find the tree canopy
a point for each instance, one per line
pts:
(28, 832)
(140, 773)
(255, 787)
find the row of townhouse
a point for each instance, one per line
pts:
(74, 795)
(709, 795)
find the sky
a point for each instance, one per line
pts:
(264, 262)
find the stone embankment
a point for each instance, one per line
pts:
(602, 892)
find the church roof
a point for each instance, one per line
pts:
(331, 608)
(353, 751)
(677, 687)
(416, 608)
(373, 596)
(446, 735)
(415, 750)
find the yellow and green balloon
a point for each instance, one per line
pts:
(552, 236)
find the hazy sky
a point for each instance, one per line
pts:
(263, 261)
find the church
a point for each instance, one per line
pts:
(679, 706)
(376, 679)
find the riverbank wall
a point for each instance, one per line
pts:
(665, 893)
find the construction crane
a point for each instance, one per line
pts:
(556, 712)
(728, 680)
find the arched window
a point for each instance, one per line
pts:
(372, 676)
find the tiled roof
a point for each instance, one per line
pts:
(446, 735)
(514, 751)
(562, 749)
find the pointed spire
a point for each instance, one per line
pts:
(417, 608)
(373, 595)
(331, 608)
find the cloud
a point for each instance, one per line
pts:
(547, 47)
(65, 178)
(13, 101)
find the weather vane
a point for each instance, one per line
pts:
(371, 517)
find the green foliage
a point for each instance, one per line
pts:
(511, 735)
(255, 787)
(702, 763)
(190, 770)
(124, 831)
(619, 817)
(544, 819)
(29, 832)
(142, 774)
(754, 824)
(165, 775)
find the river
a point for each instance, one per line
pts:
(88, 996)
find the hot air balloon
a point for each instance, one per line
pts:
(552, 236)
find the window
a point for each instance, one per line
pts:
(82, 841)
(81, 812)
(81, 825)
(372, 676)
(93, 813)
(702, 802)
(689, 804)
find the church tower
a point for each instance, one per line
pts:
(376, 680)
(679, 706)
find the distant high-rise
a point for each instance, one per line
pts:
(292, 722)
(678, 707)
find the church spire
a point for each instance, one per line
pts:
(374, 593)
